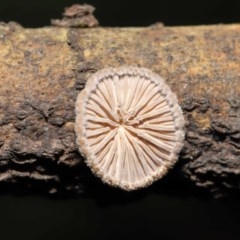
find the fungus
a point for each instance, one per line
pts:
(129, 126)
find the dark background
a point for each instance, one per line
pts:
(175, 214)
(37, 13)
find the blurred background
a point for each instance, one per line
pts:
(38, 13)
(112, 215)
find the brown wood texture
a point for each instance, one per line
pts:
(43, 70)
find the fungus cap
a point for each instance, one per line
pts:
(129, 126)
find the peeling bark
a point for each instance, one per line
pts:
(43, 70)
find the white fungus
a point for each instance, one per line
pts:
(129, 126)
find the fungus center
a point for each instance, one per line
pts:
(126, 118)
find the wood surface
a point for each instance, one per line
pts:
(43, 70)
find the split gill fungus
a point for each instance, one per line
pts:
(129, 126)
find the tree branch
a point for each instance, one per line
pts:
(43, 70)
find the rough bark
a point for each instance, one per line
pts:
(43, 70)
